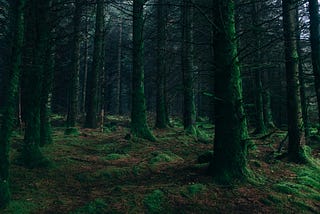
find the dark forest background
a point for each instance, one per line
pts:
(241, 75)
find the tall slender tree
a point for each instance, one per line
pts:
(139, 126)
(36, 45)
(93, 76)
(189, 112)
(161, 118)
(230, 146)
(294, 113)
(7, 121)
(315, 46)
(119, 68)
(260, 125)
(73, 106)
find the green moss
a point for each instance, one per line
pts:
(32, 157)
(155, 202)
(192, 190)
(21, 206)
(72, 131)
(4, 194)
(94, 207)
(165, 157)
(274, 199)
(287, 188)
(109, 173)
(303, 206)
(115, 156)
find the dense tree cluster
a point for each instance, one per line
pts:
(242, 64)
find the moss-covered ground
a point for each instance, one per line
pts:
(109, 172)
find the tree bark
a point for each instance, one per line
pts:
(294, 114)
(161, 118)
(36, 45)
(189, 113)
(73, 106)
(230, 145)
(315, 46)
(92, 81)
(7, 121)
(139, 126)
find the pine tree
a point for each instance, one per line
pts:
(7, 121)
(139, 126)
(294, 113)
(230, 146)
(92, 81)
(36, 45)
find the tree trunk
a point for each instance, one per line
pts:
(119, 67)
(92, 81)
(161, 118)
(46, 92)
(73, 106)
(139, 126)
(36, 44)
(292, 73)
(189, 114)
(7, 121)
(86, 61)
(304, 105)
(315, 46)
(260, 126)
(230, 146)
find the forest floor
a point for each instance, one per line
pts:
(96, 172)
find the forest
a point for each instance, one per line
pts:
(158, 106)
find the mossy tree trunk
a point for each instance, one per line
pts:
(36, 45)
(7, 121)
(315, 46)
(139, 126)
(260, 125)
(230, 150)
(92, 79)
(189, 112)
(46, 93)
(47, 85)
(161, 118)
(304, 105)
(73, 106)
(294, 113)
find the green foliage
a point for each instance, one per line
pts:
(115, 156)
(165, 157)
(155, 202)
(21, 206)
(193, 190)
(98, 206)
(32, 157)
(71, 131)
(4, 194)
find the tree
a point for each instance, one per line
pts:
(36, 45)
(139, 126)
(17, 28)
(295, 123)
(230, 146)
(189, 112)
(315, 46)
(161, 117)
(260, 125)
(73, 107)
(92, 79)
